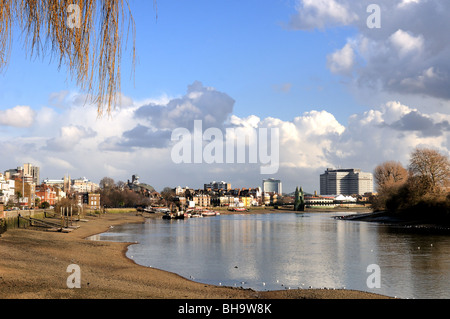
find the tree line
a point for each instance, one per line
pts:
(119, 195)
(421, 187)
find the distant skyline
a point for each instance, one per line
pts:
(342, 94)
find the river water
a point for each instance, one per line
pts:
(288, 251)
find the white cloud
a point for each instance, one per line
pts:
(82, 145)
(342, 61)
(405, 3)
(405, 43)
(322, 13)
(156, 120)
(69, 137)
(408, 55)
(18, 116)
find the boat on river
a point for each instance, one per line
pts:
(207, 213)
(174, 215)
(237, 209)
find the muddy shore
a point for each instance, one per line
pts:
(415, 222)
(33, 265)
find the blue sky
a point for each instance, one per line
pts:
(342, 94)
(240, 47)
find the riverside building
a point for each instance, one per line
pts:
(272, 186)
(345, 182)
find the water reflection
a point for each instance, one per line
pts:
(281, 251)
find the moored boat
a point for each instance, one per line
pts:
(175, 215)
(208, 213)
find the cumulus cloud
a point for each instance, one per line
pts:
(342, 61)
(408, 55)
(130, 142)
(69, 137)
(405, 43)
(423, 124)
(388, 132)
(315, 140)
(319, 14)
(199, 103)
(18, 116)
(203, 103)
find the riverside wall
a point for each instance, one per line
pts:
(10, 219)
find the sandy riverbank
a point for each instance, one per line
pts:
(33, 265)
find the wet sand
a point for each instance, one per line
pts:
(33, 265)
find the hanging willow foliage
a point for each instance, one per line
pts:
(91, 51)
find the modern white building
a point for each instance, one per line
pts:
(272, 186)
(83, 185)
(345, 182)
(7, 189)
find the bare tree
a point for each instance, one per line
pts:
(390, 174)
(431, 169)
(121, 185)
(91, 48)
(107, 183)
(168, 194)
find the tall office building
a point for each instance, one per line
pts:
(216, 186)
(345, 182)
(272, 186)
(33, 171)
(29, 173)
